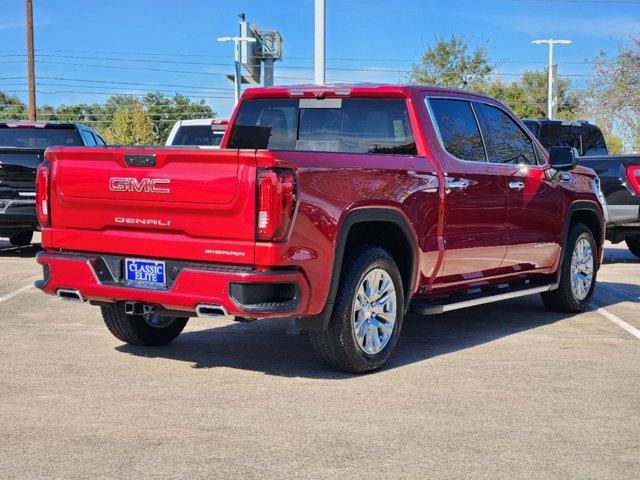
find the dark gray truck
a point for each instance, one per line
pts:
(22, 146)
(616, 172)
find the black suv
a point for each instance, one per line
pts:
(22, 146)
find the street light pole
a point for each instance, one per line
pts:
(237, 45)
(551, 42)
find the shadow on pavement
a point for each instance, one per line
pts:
(8, 250)
(263, 346)
(619, 255)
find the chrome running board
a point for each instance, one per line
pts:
(424, 308)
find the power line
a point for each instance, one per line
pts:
(306, 78)
(63, 92)
(142, 56)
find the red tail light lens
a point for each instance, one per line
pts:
(633, 178)
(276, 203)
(42, 194)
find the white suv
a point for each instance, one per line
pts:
(201, 132)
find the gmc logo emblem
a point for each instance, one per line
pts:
(148, 185)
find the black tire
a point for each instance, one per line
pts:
(633, 242)
(338, 345)
(563, 298)
(134, 329)
(21, 239)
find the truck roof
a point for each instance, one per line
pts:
(351, 90)
(37, 124)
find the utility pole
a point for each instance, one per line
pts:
(551, 101)
(31, 74)
(319, 42)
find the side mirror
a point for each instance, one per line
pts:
(563, 158)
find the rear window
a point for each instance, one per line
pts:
(587, 139)
(558, 135)
(39, 137)
(350, 125)
(197, 135)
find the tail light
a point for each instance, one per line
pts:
(633, 178)
(276, 203)
(42, 194)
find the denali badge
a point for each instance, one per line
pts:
(143, 221)
(131, 184)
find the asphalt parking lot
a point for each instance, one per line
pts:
(507, 390)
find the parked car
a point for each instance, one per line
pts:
(22, 146)
(203, 132)
(617, 173)
(344, 207)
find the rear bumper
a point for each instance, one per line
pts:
(17, 216)
(194, 284)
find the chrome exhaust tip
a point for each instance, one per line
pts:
(69, 295)
(213, 311)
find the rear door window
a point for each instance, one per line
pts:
(458, 128)
(506, 141)
(350, 125)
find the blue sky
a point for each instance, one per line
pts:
(89, 49)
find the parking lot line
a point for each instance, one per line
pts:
(15, 292)
(618, 321)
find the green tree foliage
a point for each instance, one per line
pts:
(450, 63)
(12, 108)
(527, 97)
(614, 144)
(165, 111)
(131, 126)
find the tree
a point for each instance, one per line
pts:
(527, 97)
(614, 91)
(449, 63)
(165, 111)
(11, 108)
(614, 144)
(131, 126)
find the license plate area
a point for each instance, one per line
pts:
(142, 273)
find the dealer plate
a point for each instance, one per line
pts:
(145, 273)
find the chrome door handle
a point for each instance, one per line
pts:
(516, 185)
(566, 177)
(457, 183)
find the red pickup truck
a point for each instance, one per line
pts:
(342, 206)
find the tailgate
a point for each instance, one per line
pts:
(18, 167)
(154, 202)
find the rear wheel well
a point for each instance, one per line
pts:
(387, 235)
